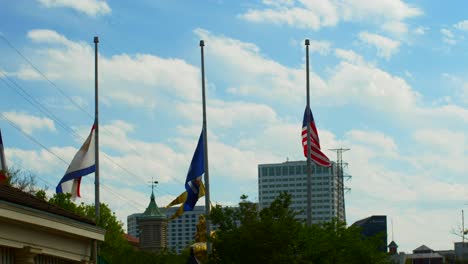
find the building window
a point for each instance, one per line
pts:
(271, 171)
(298, 170)
(278, 171)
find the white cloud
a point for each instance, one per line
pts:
(371, 87)
(315, 14)
(70, 62)
(29, 123)
(349, 55)
(462, 25)
(321, 47)
(385, 144)
(448, 36)
(28, 73)
(89, 7)
(395, 27)
(48, 36)
(420, 30)
(260, 75)
(385, 47)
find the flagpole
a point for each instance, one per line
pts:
(309, 149)
(96, 130)
(2, 156)
(97, 203)
(205, 153)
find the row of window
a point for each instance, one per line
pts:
(302, 179)
(293, 170)
(298, 191)
(292, 184)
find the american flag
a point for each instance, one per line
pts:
(317, 155)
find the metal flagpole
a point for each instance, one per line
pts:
(309, 149)
(96, 144)
(205, 153)
(96, 130)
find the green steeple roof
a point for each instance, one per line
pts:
(152, 210)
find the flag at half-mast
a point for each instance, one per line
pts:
(316, 154)
(3, 166)
(82, 164)
(194, 187)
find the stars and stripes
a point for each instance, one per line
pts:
(316, 154)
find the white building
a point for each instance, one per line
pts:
(181, 231)
(291, 176)
(132, 225)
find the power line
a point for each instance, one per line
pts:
(28, 97)
(44, 76)
(47, 112)
(74, 103)
(55, 155)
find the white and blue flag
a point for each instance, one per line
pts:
(82, 164)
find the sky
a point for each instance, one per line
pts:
(387, 80)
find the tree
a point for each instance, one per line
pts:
(22, 179)
(247, 235)
(115, 249)
(274, 235)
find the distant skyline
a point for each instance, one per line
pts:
(388, 81)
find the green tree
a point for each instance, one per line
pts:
(24, 180)
(115, 249)
(247, 235)
(274, 235)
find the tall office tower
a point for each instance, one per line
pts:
(291, 176)
(132, 225)
(181, 231)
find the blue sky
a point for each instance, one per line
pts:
(388, 81)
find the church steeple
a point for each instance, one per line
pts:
(153, 210)
(153, 226)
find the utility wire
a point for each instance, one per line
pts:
(73, 102)
(44, 76)
(13, 124)
(44, 110)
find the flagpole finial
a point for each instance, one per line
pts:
(96, 39)
(202, 43)
(307, 42)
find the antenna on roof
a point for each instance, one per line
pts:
(391, 220)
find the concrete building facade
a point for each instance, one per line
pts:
(132, 225)
(291, 177)
(181, 231)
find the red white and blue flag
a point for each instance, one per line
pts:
(82, 164)
(3, 166)
(316, 154)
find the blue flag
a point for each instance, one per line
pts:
(194, 175)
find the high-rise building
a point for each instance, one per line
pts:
(132, 225)
(291, 176)
(181, 231)
(375, 226)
